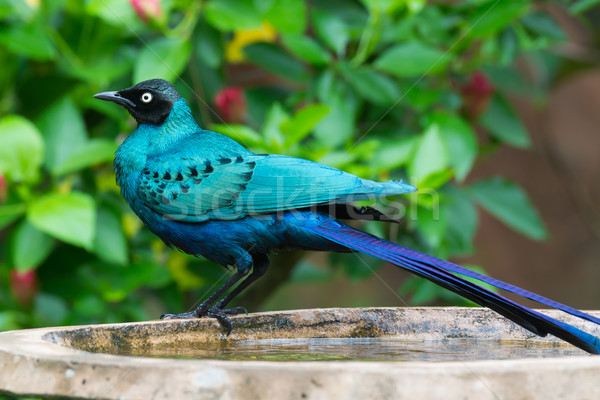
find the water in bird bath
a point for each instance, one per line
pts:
(361, 349)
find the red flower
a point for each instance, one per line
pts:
(3, 188)
(24, 286)
(476, 94)
(231, 104)
(147, 9)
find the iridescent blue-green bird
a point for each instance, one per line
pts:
(205, 194)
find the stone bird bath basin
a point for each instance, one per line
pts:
(87, 361)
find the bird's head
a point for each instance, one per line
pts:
(149, 102)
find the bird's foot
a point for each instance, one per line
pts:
(230, 311)
(185, 315)
(220, 314)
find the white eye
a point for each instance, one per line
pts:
(147, 97)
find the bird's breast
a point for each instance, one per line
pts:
(130, 160)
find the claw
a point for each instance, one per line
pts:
(235, 311)
(220, 316)
(215, 312)
(191, 314)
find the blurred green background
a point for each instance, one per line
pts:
(424, 91)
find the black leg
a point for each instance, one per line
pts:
(261, 264)
(203, 309)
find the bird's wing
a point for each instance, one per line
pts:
(196, 190)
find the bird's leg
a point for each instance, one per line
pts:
(203, 309)
(261, 264)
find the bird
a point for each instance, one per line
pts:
(205, 194)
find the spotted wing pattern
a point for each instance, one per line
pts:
(230, 188)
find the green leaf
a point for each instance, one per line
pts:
(10, 213)
(16, 9)
(64, 132)
(102, 69)
(287, 16)
(510, 204)
(373, 86)
(29, 246)
(331, 30)
(357, 267)
(494, 16)
(276, 117)
(503, 123)
(370, 37)
(365, 149)
(136, 275)
(460, 141)
(70, 217)
(324, 84)
(388, 6)
(509, 46)
(337, 159)
(67, 147)
(115, 12)
(420, 97)
(90, 305)
(432, 224)
(423, 291)
(412, 59)
(28, 40)
(306, 48)
(93, 152)
(50, 309)
(209, 46)
(110, 243)
(307, 272)
(436, 179)
(272, 58)
(300, 125)
(338, 124)
(240, 133)
(157, 275)
(430, 155)
(581, 6)
(230, 15)
(543, 24)
(162, 58)
(462, 220)
(10, 321)
(21, 148)
(432, 24)
(396, 153)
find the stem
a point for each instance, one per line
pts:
(64, 48)
(86, 33)
(186, 26)
(371, 33)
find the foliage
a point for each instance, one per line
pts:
(381, 88)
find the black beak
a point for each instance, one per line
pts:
(115, 97)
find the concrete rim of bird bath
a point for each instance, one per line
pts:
(53, 362)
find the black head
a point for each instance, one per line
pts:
(149, 102)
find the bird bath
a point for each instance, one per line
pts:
(399, 353)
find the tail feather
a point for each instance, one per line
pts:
(437, 271)
(447, 265)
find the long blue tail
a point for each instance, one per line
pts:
(442, 273)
